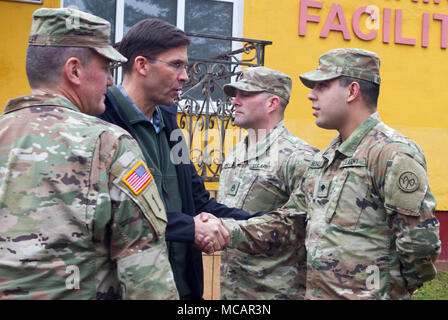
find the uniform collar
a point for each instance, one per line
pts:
(37, 100)
(242, 153)
(349, 146)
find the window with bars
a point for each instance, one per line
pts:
(213, 17)
(216, 55)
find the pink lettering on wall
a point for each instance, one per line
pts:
(443, 37)
(335, 21)
(304, 17)
(427, 1)
(386, 24)
(425, 29)
(335, 12)
(398, 30)
(355, 23)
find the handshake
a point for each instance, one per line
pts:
(210, 234)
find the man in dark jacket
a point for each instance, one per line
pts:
(153, 77)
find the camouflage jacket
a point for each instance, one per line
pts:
(371, 230)
(75, 225)
(262, 179)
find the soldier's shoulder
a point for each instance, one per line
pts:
(387, 136)
(99, 126)
(297, 145)
(112, 128)
(387, 142)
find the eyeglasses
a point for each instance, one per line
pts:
(178, 66)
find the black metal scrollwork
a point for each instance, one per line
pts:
(204, 110)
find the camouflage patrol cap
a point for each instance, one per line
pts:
(68, 27)
(351, 62)
(262, 79)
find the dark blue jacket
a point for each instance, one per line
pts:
(195, 198)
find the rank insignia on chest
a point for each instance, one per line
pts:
(138, 178)
(323, 189)
(234, 188)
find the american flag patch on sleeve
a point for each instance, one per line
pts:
(138, 178)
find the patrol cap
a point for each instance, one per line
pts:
(262, 79)
(68, 27)
(351, 62)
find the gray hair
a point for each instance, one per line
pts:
(44, 63)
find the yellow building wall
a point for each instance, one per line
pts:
(413, 97)
(15, 24)
(414, 90)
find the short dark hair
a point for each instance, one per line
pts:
(44, 63)
(150, 37)
(283, 103)
(369, 91)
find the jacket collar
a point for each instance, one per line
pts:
(37, 100)
(349, 146)
(243, 153)
(130, 110)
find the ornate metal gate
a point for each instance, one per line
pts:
(206, 113)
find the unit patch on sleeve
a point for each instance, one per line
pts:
(138, 178)
(408, 182)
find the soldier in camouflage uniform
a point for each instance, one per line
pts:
(259, 174)
(81, 215)
(371, 230)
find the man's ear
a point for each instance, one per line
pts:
(141, 66)
(273, 103)
(73, 70)
(353, 91)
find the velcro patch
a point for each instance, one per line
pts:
(317, 164)
(126, 159)
(405, 185)
(234, 188)
(353, 162)
(323, 189)
(138, 178)
(408, 181)
(258, 166)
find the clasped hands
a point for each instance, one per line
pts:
(210, 234)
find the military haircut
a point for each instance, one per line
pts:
(369, 91)
(150, 37)
(283, 103)
(44, 63)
